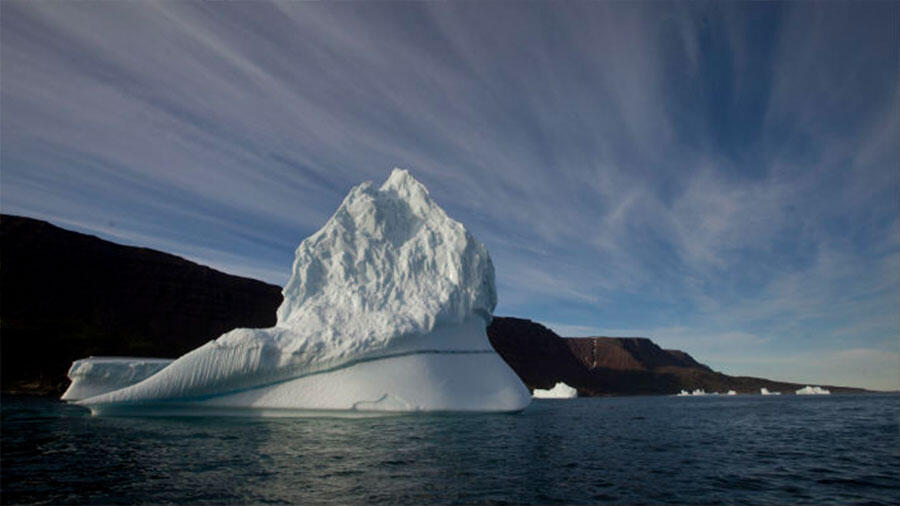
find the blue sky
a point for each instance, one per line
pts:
(721, 177)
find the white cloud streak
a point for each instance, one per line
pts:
(629, 166)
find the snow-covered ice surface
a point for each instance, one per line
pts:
(809, 390)
(385, 309)
(559, 391)
(97, 375)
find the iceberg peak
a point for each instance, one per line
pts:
(388, 262)
(402, 181)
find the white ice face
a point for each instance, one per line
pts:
(389, 263)
(389, 275)
(559, 391)
(810, 390)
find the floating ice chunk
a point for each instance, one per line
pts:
(701, 392)
(697, 392)
(765, 391)
(809, 390)
(559, 391)
(388, 279)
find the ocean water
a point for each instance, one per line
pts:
(744, 449)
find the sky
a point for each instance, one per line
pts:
(723, 178)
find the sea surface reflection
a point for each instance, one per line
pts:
(642, 449)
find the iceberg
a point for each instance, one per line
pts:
(559, 391)
(765, 391)
(697, 392)
(386, 309)
(731, 392)
(809, 390)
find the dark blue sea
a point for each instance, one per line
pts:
(744, 449)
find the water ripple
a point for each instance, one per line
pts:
(751, 450)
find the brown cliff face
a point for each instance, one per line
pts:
(536, 353)
(66, 295)
(611, 365)
(627, 354)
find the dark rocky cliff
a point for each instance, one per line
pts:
(66, 295)
(612, 365)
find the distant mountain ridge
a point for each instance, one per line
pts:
(628, 353)
(598, 366)
(66, 295)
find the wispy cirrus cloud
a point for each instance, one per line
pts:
(719, 169)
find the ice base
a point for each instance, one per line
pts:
(432, 381)
(453, 368)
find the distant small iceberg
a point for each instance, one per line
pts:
(700, 392)
(559, 391)
(808, 390)
(765, 391)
